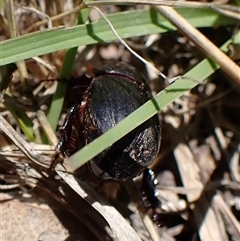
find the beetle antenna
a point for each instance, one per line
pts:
(169, 81)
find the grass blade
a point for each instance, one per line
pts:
(127, 24)
(58, 98)
(150, 108)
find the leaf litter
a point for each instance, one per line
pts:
(197, 168)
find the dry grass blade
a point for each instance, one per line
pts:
(47, 128)
(204, 44)
(198, 181)
(227, 10)
(54, 18)
(41, 15)
(21, 144)
(121, 230)
(226, 212)
(147, 221)
(192, 4)
(203, 211)
(234, 165)
(14, 33)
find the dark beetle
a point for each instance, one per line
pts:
(114, 92)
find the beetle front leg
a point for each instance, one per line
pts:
(71, 132)
(71, 138)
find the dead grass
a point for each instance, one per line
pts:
(197, 167)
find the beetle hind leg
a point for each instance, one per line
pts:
(149, 194)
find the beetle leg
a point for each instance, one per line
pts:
(148, 191)
(71, 132)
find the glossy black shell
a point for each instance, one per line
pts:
(113, 94)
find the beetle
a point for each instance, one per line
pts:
(115, 90)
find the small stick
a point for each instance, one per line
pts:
(47, 128)
(20, 143)
(224, 9)
(203, 43)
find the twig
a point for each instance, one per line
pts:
(40, 14)
(47, 128)
(119, 227)
(14, 33)
(20, 143)
(203, 43)
(224, 9)
(54, 18)
(152, 2)
(221, 205)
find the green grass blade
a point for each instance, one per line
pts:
(24, 121)
(162, 99)
(200, 72)
(127, 24)
(58, 98)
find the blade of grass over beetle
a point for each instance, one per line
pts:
(200, 72)
(127, 24)
(162, 99)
